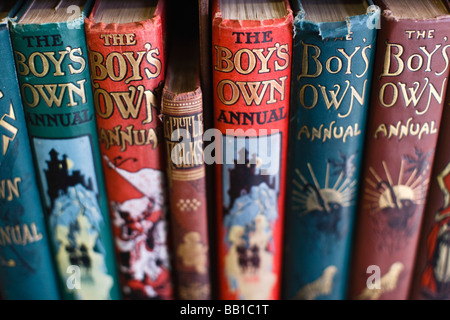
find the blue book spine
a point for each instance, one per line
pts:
(330, 90)
(53, 73)
(26, 266)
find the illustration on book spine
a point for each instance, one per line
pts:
(407, 98)
(435, 279)
(251, 80)
(59, 110)
(250, 213)
(331, 81)
(127, 81)
(74, 211)
(140, 230)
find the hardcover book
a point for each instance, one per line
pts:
(27, 271)
(332, 62)
(52, 65)
(182, 114)
(431, 279)
(251, 63)
(127, 59)
(410, 80)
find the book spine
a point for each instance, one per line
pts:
(27, 271)
(410, 80)
(251, 83)
(330, 92)
(52, 65)
(128, 71)
(431, 271)
(183, 118)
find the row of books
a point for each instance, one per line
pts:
(85, 186)
(266, 149)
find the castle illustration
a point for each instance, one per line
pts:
(59, 179)
(244, 176)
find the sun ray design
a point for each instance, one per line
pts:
(344, 185)
(400, 174)
(375, 174)
(372, 192)
(396, 201)
(301, 176)
(300, 195)
(297, 184)
(388, 175)
(371, 183)
(416, 183)
(311, 171)
(370, 198)
(326, 196)
(338, 180)
(411, 178)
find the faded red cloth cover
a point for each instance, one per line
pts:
(127, 64)
(431, 279)
(410, 81)
(251, 63)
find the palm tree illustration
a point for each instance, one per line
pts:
(344, 165)
(418, 162)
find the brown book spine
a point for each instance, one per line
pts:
(182, 116)
(410, 80)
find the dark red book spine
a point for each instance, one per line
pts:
(127, 64)
(431, 280)
(251, 85)
(410, 80)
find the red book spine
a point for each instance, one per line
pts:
(127, 64)
(431, 279)
(410, 80)
(251, 84)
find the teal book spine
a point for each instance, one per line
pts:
(52, 67)
(330, 91)
(27, 271)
